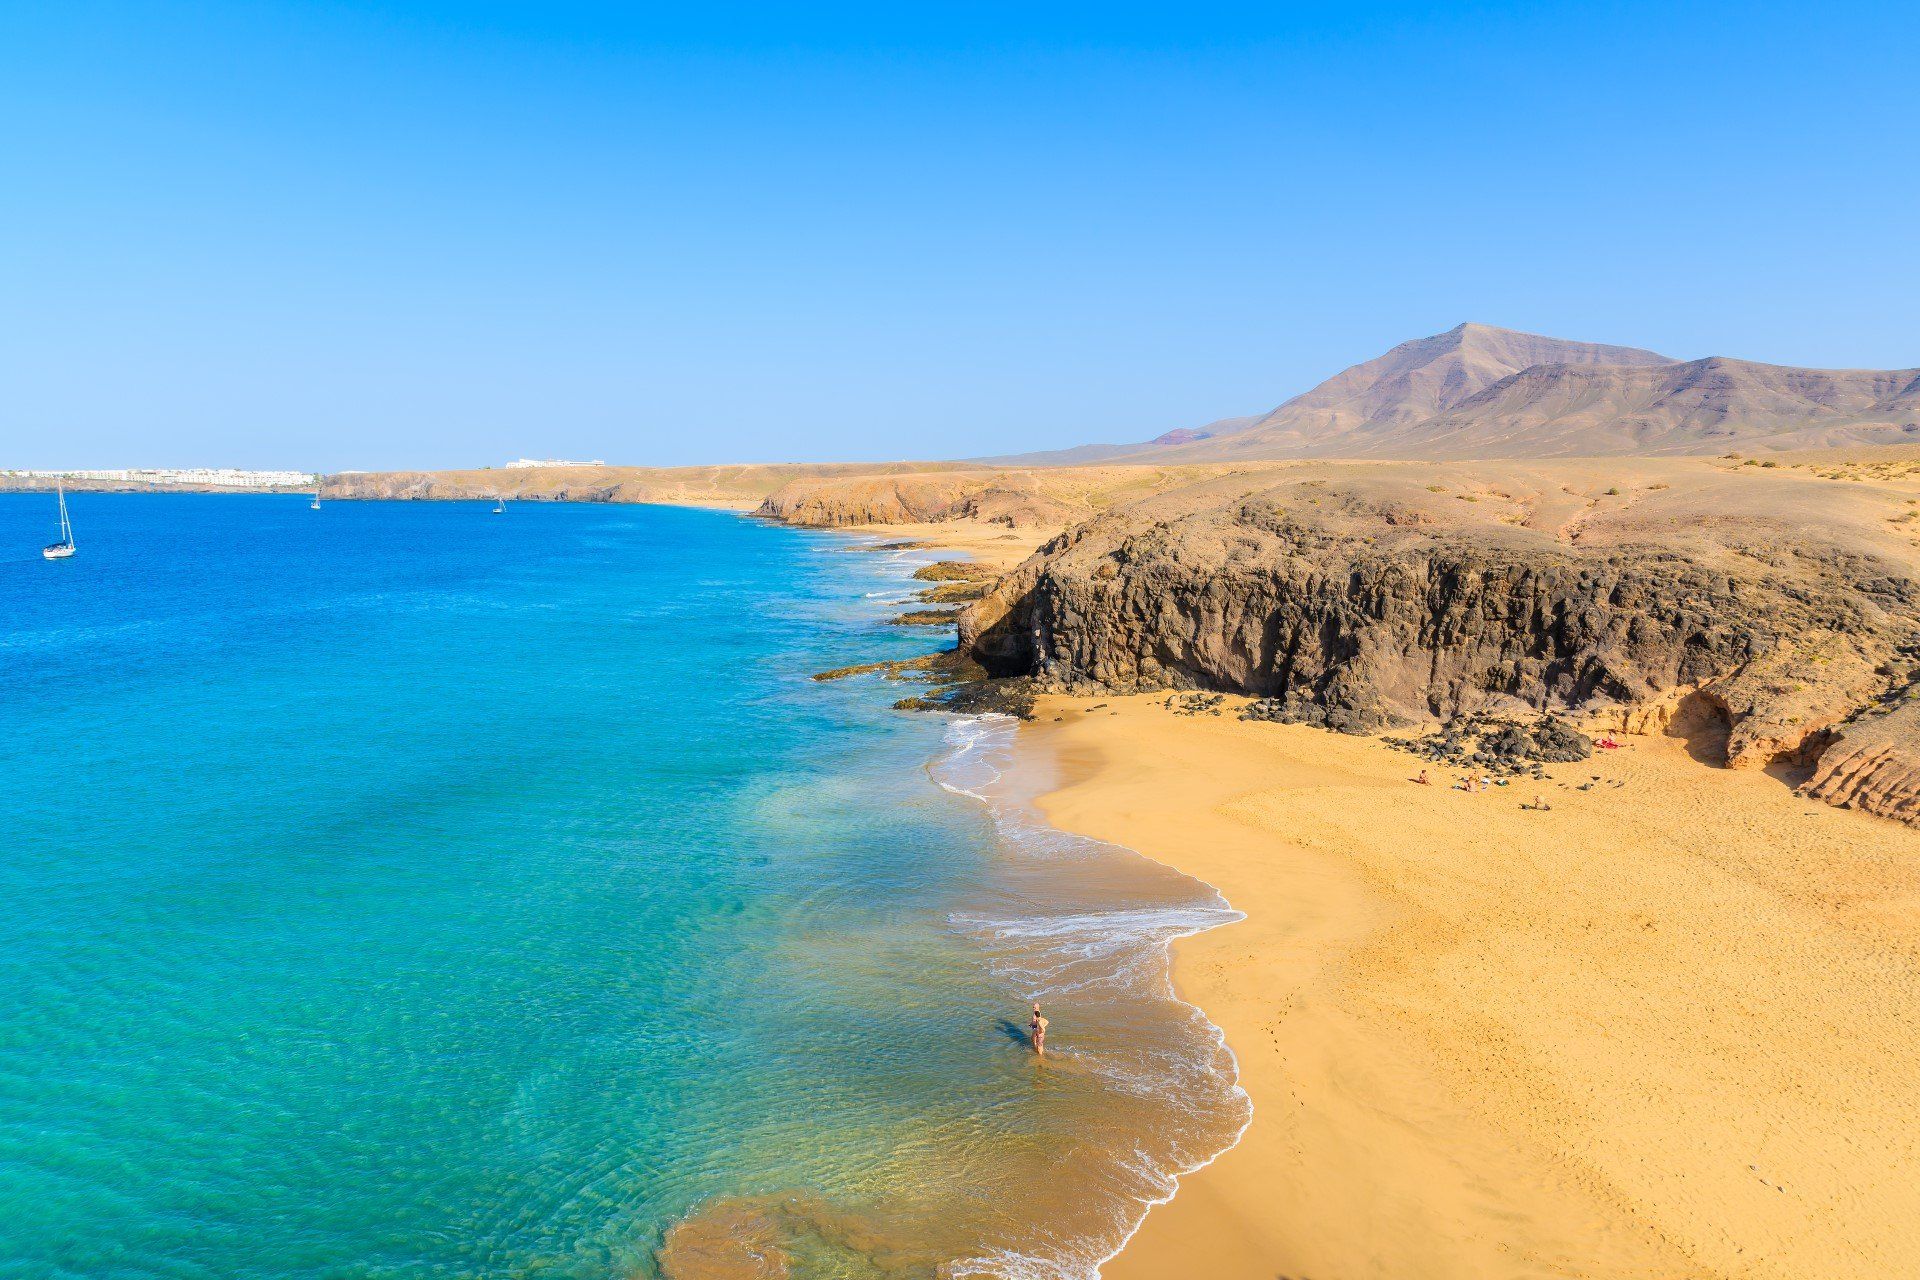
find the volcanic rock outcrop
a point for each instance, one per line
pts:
(1399, 593)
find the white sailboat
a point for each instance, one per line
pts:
(63, 548)
(499, 506)
(315, 504)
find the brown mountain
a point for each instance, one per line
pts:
(1415, 381)
(1481, 392)
(1556, 410)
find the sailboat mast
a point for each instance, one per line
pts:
(63, 548)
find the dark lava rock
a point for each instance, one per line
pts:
(1557, 742)
(978, 697)
(1301, 708)
(1356, 598)
(1196, 704)
(1499, 745)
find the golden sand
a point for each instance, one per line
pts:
(993, 545)
(1669, 1029)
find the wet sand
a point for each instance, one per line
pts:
(1667, 1029)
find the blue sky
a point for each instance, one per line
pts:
(396, 235)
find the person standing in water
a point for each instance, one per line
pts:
(1037, 1029)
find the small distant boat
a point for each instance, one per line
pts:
(63, 548)
(315, 504)
(499, 506)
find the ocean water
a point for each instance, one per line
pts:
(401, 890)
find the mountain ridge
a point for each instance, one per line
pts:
(1092, 454)
(1481, 391)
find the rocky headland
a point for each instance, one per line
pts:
(1772, 616)
(1015, 497)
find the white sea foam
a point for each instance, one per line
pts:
(1009, 1264)
(1054, 954)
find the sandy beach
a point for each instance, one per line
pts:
(994, 545)
(1665, 1029)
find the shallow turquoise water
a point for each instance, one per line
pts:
(403, 890)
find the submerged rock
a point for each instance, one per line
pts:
(977, 697)
(953, 682)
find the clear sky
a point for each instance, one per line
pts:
(365, 235)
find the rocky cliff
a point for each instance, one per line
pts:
(1010, 498)
(1405, 593)
(1020, 498)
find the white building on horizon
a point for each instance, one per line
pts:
(216, 477)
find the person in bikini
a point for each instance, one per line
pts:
(1037, 1029)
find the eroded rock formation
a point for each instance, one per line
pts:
(1387, 600)
(1873, 763)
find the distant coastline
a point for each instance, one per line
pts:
(157, 480)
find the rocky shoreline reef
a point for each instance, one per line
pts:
(1772, 619)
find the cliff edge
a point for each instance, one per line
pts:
(1781, 609)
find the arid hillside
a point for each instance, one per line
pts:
(1563, 411)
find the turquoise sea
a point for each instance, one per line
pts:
(402, 890)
